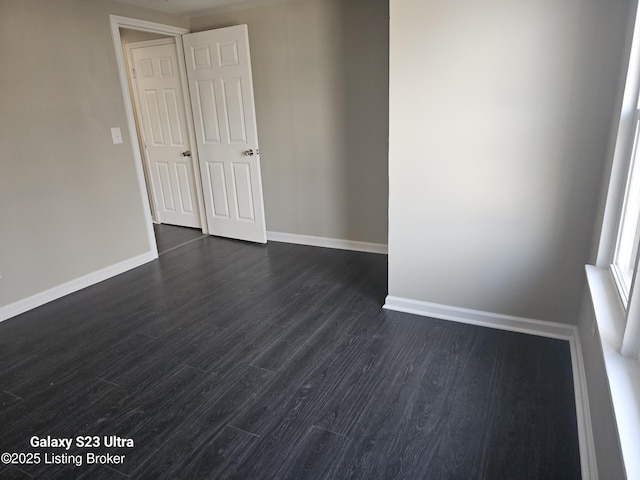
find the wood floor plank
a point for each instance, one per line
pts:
(183, 450)
(211, 460)
(7, 399)
(309, 323)
(317, 458)
(521, 423)
(259, 416)
(400, 357)
(234, 345)
(14, 473)
(55, 407)
(225, 359)
(218, 457)
(60, 411)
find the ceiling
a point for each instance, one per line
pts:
(191, 8)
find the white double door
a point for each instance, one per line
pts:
(224, 167)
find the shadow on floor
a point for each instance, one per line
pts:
(170, 237)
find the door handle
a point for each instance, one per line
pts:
(186, 153)
(248, 153)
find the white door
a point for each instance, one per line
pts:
(161, 112)
(221, 90)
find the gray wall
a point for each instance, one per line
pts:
(69, 198)
(499, 121)
(320, 70)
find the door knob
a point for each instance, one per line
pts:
(186, 154)
(248, 153)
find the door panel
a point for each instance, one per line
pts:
(233, 112)
(218, 189)
(244, 189)
(208, 110)
(164, 125)
(219, 74)
(165, 186)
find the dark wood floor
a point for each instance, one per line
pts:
(169, 237)
(228, 360)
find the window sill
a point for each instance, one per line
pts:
(623, 373)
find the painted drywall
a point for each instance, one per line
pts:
(499, 121)
(69, 199)
(320, 71)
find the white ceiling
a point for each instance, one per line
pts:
(191, 8)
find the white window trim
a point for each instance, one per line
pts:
(619, 284)
(630, 344)
(623, 372)
(618, 318)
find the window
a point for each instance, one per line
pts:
(619, 248)
(628, 235)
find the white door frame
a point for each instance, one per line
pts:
(117, 23)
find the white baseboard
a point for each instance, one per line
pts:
(583, 411)
(533, 327)
(477, 317)
(328, 242)
(24, 305)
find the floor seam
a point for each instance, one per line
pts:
(181, 245)
(13, 395)
(330, 431)
(107, 381)
(243, 431)
(262, 368)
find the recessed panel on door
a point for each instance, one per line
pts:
(244, 191)
(153, 121)
(218, 192)
(234, 110)
(171, 99)
(165, 186)
(205, 101)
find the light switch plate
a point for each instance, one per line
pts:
(116, 134)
